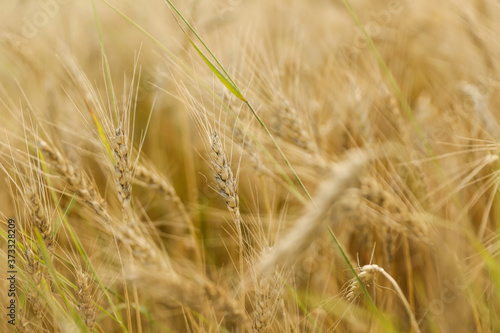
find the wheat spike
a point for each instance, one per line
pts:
(76, 179)
(122, 168)
(86, 303)
(367, 277)
(227, 185)
(39, 218)
(345, 175)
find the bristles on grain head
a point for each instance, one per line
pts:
(191, 291)
(85, 298)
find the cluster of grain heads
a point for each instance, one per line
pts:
(130, 234)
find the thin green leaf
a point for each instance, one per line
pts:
(229, 85)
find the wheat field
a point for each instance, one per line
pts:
(250, 166)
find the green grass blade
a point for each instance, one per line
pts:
(229, 85)
(201, 41)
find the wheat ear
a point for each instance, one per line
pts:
(227, 185)
(34, 272)
(267, 296)
(161, 185)
(77, 180)
(306, 229)
(79, 183)
(39, 218)
(367, 277)
(122, 169)
(85, 298)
